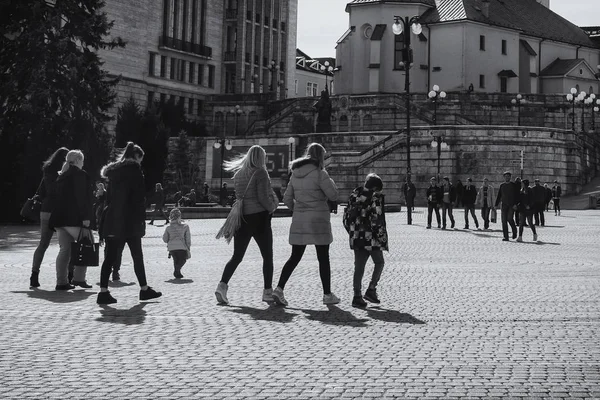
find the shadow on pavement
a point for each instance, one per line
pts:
(118, 284)
(179, 281)
(273, 313)
(57, 296)
(382, 314)
(335, 316)
(136, 315)
(20, 236)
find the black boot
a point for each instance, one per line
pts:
(70, 276)
(33, 280)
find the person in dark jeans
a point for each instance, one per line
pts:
(447, 200)
(525, 204)
(159, 204)
(252, 185)
(485, 199)
(409, 191)
(548, 196)
(469, 198)
(124, 220)
(556, 195)
(433, 194)
(539, 200)
(508, 196)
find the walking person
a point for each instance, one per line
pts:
(518, 185)
(72, 212)
(364, 220)
(508, 196)
(469, 198)
(124, 220)
(459, 193)
(252, 184)
(47, 193)
(548, 197)
(448, 199)
(410, 191)
(539, 200)
(556, 195)
(485, 198)
(307, 193)
(99, 203)
(526, 210)
(179, 242)
(433, 194)
(159, 204)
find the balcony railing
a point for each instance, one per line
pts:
(189, 47)
(231, 13)
(230, 56)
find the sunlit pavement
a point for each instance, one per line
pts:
(463, 314)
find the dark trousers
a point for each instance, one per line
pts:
(508, 217)
(538, 209)
(361, 256)
(112, 253)
(430, 208)
(294, 260)
(470, 208)
(258, 227)
(526, 216)
(410, 204)
(556, 205)
(116, 267)
(485, 215)
(447, 208)
(179, 259)
(159, 212)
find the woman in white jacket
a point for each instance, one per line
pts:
(485, 199)
(178, 239)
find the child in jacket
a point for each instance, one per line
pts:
(364, 219)
(178, 239)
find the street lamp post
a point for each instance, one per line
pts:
(273, 67)
(291, 141)
(436, 95)
(236, 111)
(573, 99)
(327, 70)
(595, 108)
(517, 101)
(438, 142)
(222, 144)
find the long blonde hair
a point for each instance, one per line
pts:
(255, 158)
(73, 156)
(315, 153)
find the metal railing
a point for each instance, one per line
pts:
(189, 47)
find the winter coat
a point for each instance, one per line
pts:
(451, 193)
(259, 196)
(125, 213)
(47, 192)
(548, 195)
(525, 203)
(159, 199)
(556, 192)
(490, 196)
(307, 193)
(469, 195)
(507, 194)
(435, 194)
(539, 194)
(177, 237)
(364, 219)
(74, 199)
(410, 191)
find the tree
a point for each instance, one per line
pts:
(185, 164)
(53, 90)
(129, 123)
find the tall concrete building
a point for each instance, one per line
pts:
(192, 49)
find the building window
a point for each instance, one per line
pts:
(482, 81)
(211, 76)
(192, 75)
(399, 52)
(482, 42)
(163, 66)
(296, 86)
(181, 71)
(504, 47)
(151, 64)
(503, 84)
(312, 89)
(163, 98)
(173, 68)
(190, 106)
(150, 99)
(201, 74)
(199, 109)
(283, 26)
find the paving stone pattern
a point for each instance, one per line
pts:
(463, 314)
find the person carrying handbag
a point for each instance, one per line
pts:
(253, 186)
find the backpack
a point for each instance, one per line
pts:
(352, 212)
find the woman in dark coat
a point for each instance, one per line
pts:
(47, 194)
(124, 220)
(72, 212)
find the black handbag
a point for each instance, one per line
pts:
(32, 207)
(84, 252)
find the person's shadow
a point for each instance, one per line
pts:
(57, 296)
(179, 281)
(136, 315)
(272, 313)
(118, 283)
(385, 315)
(335, 316)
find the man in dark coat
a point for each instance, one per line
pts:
(468, 199)
(539, 200)
(548, 195)
(409, 191)
(508, 195)
(447, 199)
(434, 195)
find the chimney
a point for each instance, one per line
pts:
(485, 8)
(545, 3)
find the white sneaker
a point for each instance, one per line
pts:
(278, 296)
(267, 295)
(221, 293)
(535, 237)
(330, 299)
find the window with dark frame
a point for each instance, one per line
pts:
(190, 106)
(482, 81)
(482, 42)
(181, 74)
(150, 99)
(504, 47)
(173, 68)
(503, 84)
(192, 74)
(163, 98)
(211, 76)
(201, 74)
(151, 64)
(163, 66)
(398, 51)
(199, 108)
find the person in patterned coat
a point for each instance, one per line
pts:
(364, 219)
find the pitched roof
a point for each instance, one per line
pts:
(560, 67)
(527, 16)
(360, 2)
(306, 63)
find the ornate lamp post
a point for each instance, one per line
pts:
(517, 101)
(438, 142)
(573, 99)
(236, 111)
(222, 144)
(402, 25)
(273, 67)
(254, 83)
(589, 102)
(595, 109)
(436, 95)
(291, 141)
(327, 70)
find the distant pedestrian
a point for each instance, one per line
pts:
(410, 191)
(434, 195)
(47, 194)
(205, 192)
(508, 195)
(539, 202)
(224, 193)
(556, 195)
(548, 197)
(252, 184)
(485, 199)
(191, 202)
(518, 185)
(469, 199)
(159, 204)
(307, 193)
(99, 203)
(179, 242)
(459, 193)
(364, 219)
(526, 210)
(124, 220)
(448, 199)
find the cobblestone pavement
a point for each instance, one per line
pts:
(463, 314)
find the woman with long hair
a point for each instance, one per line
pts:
(253, 185)
(124, 220)
(47, 193)
(308, 191)
(72, 212)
